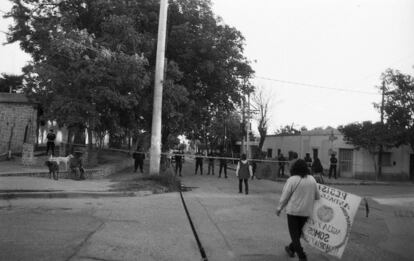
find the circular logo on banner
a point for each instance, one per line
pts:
(325, 213)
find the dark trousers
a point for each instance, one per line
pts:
(246, 186)
(199, 165)
(223, 166)
(178, 168)
(295, 224)
(332, 168)
(140, 164)
(210, 167)
(50, 145)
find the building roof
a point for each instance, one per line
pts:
(15, 98)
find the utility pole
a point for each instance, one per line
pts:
(242, 148)
(155, 151)
(248, 127)
(382, 126)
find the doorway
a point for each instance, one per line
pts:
(412, 167)
(346, 157)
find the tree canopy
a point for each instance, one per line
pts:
(93, 63)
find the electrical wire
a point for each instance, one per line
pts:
(316, 86)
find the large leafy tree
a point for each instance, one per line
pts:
(93, 63)
(398, 105)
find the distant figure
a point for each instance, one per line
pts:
(178, 158)
(199, 163)
(139, 157)
(332, 167)
(50, 142)
(254, 167)
(298, 196)
(308, 160)
(282, 163)
(223, 164)
(76, 165)
(317, 170)
(244, 172)
(295, 157)
(211, 163)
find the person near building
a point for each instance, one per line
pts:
(332, 167)
(282, 162)
(317, 170)
(76, 166)
(139, 157)
(308, 160)
(244, 171)
(50, 144)
(295, 157)
(211, 156)
(298, 197)
(178, 158)
(223, 164)
(199, 163)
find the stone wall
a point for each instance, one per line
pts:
(16, 119)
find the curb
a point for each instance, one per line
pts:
(76, 194)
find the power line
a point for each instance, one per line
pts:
(316, 86)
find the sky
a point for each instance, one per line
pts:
(319, 61)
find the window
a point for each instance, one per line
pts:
(269, 153)
(386, 159)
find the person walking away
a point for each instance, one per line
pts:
(223, 164)
(139, 157)
(199, 163)
(332, 167)
(244, 172)
(298, 197)
(76, 166)
(211, 163)
(282, 163)
(50, 144)
(178, 158)
(317, 170)
(308, 160)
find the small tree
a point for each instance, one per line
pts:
(369, 136)
(261, 105)
(398, 105)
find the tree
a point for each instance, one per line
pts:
(289, 130)
(11, 83)
(261, 105)
(93, 63)
(369, 136)
(398, 105)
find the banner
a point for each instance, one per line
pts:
(330, 225)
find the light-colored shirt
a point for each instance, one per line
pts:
(302, 200)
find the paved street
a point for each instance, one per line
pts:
(231, 226)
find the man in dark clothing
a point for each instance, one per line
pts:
(332, 168)
(282, 163)
(199, 163)
(76, 165)
(178, 158)
(50, 142)
(139, 157)
(211, 162)
(223, 164)
(308, 160)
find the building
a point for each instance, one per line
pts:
(18, 122)
(398, 163)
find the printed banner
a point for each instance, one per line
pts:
(330, 225)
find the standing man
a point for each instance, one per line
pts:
(139, 157)
(50, 142)
(211, 162)
(178, 158)
(244, 171)
(223, 164)
(282, 163)
(76, 166)
(332, 168)
(199, 162)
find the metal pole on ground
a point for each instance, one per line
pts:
(155, 151)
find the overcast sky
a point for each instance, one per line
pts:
(337, 44)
